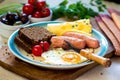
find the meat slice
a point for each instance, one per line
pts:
(111, 26)
(115, 16)
(109, 34)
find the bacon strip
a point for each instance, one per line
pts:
(115, 16)
(111, 26)
(109, 34)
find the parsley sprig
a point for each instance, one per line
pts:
(98, 4)
(77, 10)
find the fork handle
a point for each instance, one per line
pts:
(99, 59)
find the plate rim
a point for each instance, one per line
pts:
(51, 66)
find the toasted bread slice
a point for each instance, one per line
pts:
(33, 35)
(24, 45)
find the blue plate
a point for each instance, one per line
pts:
(13, 48)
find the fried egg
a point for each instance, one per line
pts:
(57, 56)
(62, 57)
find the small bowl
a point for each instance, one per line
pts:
(23, 1)
(7, 30)
(48, 18)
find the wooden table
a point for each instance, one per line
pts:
(98, 73)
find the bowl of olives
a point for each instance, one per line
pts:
(9, 22)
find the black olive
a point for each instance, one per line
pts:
(11, 22)
(4, 20)
(10, 16)
(13, 19)
(17, 18)
(24, 18)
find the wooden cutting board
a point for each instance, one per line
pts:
(10, 62)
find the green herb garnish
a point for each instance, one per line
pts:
(77, 10)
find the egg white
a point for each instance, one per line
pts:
(55, 57)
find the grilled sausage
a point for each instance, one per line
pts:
(60, 41)
(90, 41)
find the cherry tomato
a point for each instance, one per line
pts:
(37, 14)
(41, 44)
(45, 12)
(32, 2)
(37, 50)
(45, 45)
(40, 4)
(27, 9)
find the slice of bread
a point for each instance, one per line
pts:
(33, 35)
(30, 36)
(24, 45)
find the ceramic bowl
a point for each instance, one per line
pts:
(48, 18)
(7, 30)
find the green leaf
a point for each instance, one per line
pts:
(91, 12)
(104, 6)
(69, 13)
(58, 12)
(77, 10)
(99, 2)
(64, 3)
(87, 16)
(72, 6)
(100, 9)
(11, 8)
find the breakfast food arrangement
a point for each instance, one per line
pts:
(35, 36)
(69, 38)
(63, 48)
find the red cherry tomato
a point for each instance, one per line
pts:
(37, 50)
(45, 12)
(40, 4)
(41, 44)
(32, 2)
(37, 14)
(27, 9)
(45, 45)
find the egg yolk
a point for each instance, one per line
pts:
(71, 57)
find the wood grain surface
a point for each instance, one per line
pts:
(10, 62)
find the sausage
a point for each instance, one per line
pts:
(90, 41)
(60, 41)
